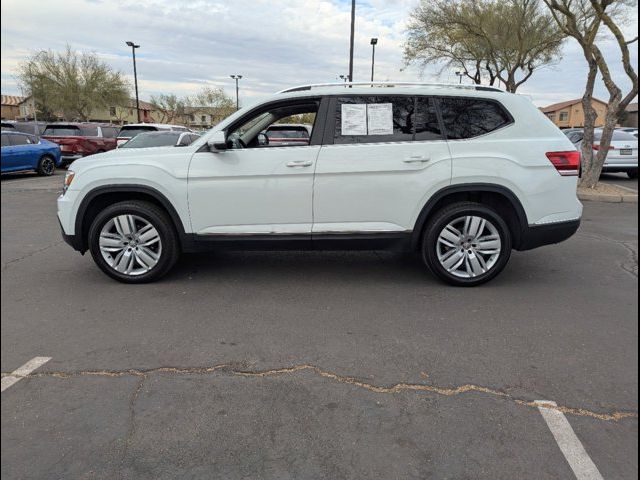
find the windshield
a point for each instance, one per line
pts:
(130, 132)
(145, 140)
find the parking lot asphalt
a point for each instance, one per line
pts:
(620, 179)
(315, 364)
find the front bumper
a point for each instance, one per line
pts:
(535, 236)
(72, 240)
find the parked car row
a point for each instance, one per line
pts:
(622, 156)
(44, 146)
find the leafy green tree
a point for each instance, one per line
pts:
(72, 84)
(490, 40)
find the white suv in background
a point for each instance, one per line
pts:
(460, 174)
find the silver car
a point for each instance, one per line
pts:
(623, 151)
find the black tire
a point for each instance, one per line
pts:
(152, 214)
(46, 166)
(450, 214)
(632, 174)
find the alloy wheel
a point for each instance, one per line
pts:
(130, 244)
(469, 246)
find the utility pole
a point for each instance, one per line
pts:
(135, 76)
(353, 27)
(237, 79)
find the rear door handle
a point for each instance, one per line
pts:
(300, 163)
(417, 159)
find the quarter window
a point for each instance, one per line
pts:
(471, 117)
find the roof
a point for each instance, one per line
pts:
(562, 105)
(12, 100)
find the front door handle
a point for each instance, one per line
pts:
(417, 159)
(300, 163)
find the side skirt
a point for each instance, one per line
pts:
(394, 241)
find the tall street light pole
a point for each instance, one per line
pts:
(353, 27)
(374, 42)
(135, 76)
(237, 78)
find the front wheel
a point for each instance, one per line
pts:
(46, 166)
(133, 242)
(466, 244)
(632, 174)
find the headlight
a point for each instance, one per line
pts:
(68, 178)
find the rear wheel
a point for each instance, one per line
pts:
(46, 166)
(466, 244)
(133, 242)
(632, 174)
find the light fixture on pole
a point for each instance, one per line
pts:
(460, 75)
(237, 78)
(135, 76)
(374, 42)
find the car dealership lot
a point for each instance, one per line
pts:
(315, 365)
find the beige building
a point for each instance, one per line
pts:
(11, 107)
(631, 116)
(119, 115)
(571, 114)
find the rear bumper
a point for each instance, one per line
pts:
(535, 236)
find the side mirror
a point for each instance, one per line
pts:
(217, 141)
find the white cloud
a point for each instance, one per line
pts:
(273, 43)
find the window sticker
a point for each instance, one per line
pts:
(354, 119)
(380, 118)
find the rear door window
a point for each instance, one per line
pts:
(19, 140)
(89, 131)
(371, 126)
(109, 132)
(5, 141)
(472, 117)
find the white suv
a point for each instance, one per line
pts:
(462, 175)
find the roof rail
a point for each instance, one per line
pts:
(301, 88)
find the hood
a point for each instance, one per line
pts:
(128, 156)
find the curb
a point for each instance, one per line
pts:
(607, 198)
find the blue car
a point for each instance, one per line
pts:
(21, 151)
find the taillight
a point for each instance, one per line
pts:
(567, 163)
(596, 147)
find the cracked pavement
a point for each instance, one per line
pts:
(315, 365)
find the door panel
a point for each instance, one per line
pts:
(377, 187)
(252, 191)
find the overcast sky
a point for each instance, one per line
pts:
(272, 43)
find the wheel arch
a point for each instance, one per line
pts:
(100, 197)
(497, 196)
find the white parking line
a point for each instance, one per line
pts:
(579, 461)
(25, 369)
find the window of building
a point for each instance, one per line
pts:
(564, 116)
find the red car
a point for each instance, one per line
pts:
(78, 140)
